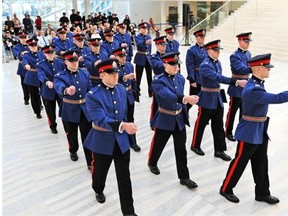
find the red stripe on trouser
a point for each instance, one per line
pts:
(196, 126)
(152, 145)
(49, 122)
(67, 133)
(229, 113)
(92, 164)
(232, 170)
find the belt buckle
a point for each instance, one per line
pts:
(80, 101)
(177, 112)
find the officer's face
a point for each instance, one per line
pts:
(50, 56)
(244, 45)
(121, 59)
(264, 71)
(170, 36)
(214, 54)
(110, 79)
(200, 39)
(109, 38)
(62, 35)
(72, 64)
(171, 69)
(161, 47)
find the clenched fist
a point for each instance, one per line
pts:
(71, 90)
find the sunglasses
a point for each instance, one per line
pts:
(32, 45)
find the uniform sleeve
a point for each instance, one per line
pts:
(190, 65)
(263, 97)
(207, 70)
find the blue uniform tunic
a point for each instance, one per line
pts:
(62, 45)
(81, 81)
(106, 49)
(168, 89)
(106, 106)
(239, 66)
(125, 38)
(194, 57)
(172, 46)
(32, 58)
(17, 50)
(255, 101)
(139, 58)
(46, 72)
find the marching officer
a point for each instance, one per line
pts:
(124, 40)
(29, 61)
(127, 78)
(157, 66)
(62, 44)
(171, 118)
(172, 45)
(92, 59)
(109, 44)
(19, 50)
(194, 57)
(252, 135)
(143, 55)
(78, 40)
(211, 102)
(72, 84)
(108, 139)
(47, 68)
(240, 70)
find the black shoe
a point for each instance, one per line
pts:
(189, 183)
(268, 199)
(198, 151)
(26, 102)
(231, 138)
(222, 155)
(231, 197)
(136, 148)
(38, 116)
(74, 156)
(154, 169)
(54, 131)
(100, 197)
(130, 214)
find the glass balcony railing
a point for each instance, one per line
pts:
(212, 19)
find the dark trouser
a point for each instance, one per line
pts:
(35, 99)
(216, 116)
(100, 167)
(50, 108)
(25, 89)
(234, 104)
(139, 72)
(130, 118)
(158, 143)
(259, 163)
(71, 129)
(193, 91)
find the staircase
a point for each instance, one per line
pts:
(266, 20)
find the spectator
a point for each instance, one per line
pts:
(38, 23)
(17, 24)
(127, 22)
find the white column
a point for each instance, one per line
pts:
(87, 8)
(163, 15)
(74, 5)
(180, 18)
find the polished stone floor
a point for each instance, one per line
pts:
(38, 177)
